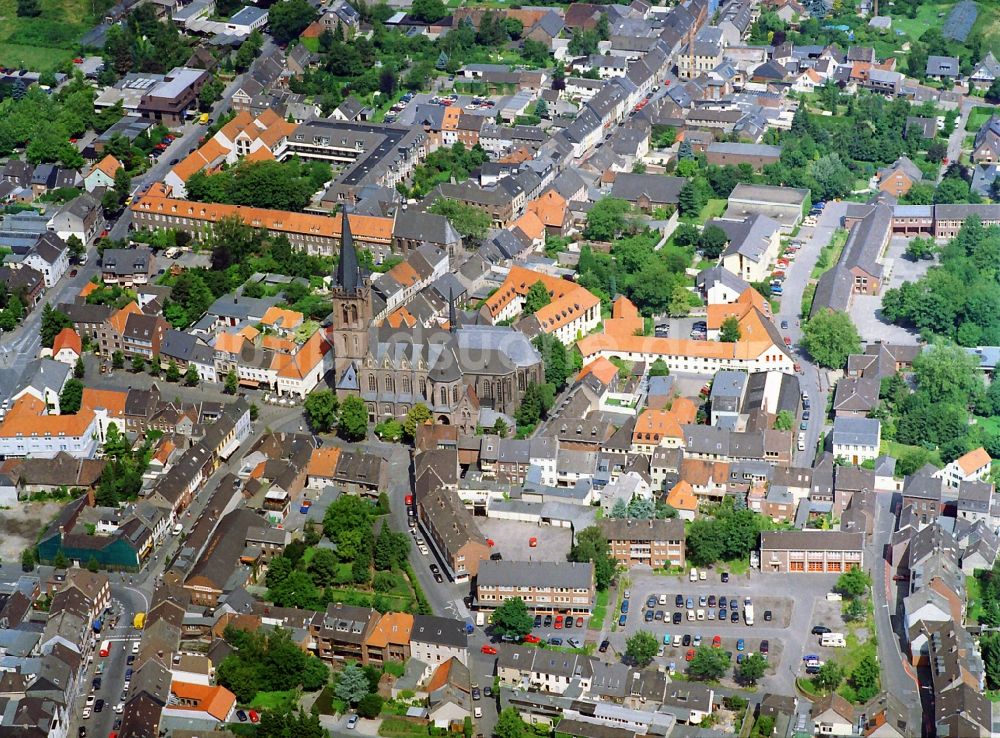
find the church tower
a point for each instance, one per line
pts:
(352, 305)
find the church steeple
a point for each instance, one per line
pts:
(452, 313)
(349, 277)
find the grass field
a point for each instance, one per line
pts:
(45, 42)
(977, 116)
(713, 209)
(274, 700)
(988, 22)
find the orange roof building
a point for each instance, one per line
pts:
(572, 311)
(601, 368)
(683, 500)
(102, 174)
(551, 209)
(214, 702)
(305, 231)
(282, 320)
(322, 466)
(28, 430)
(625, 319)
(67, 346)
(112, 401)
(300, 372)
(663, 427)
(748, 300)
(87, 289)
(390, 640)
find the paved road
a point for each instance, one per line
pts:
(898, 677)
(812, 380)
(958, 135)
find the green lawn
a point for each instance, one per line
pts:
(396, 727)
(830, 254)
(274, 700)
(600, 610)
(977, 116)
(895, 450)
(713, 209)
(974, 597)
(45, 42)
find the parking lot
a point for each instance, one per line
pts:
(866, 310)
(511, 539)
(787, 633)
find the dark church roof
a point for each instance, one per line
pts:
(349, 275)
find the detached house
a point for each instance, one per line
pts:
(971, 467)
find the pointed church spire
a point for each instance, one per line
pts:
(348, 270)
(452, 314)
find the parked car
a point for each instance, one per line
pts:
(740, 644)
(686, 640)
(603, 648)
(352, 722)
(476, 694)
(622, 620)
(689, 656)
(489, 650)
(649, 616)
(532, 638)
(677, 618)
(765, 646)
(548, 621)
(734, 617)
(679, 601)
(725, 577)
(818, 630)
(241, 716)
(538, 621)
(717, 642)
(767, 616)
(579, 622)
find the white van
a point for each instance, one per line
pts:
(693, 577)
(178, 528)
(833, 640)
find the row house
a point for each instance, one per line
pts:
(546, 587)
(655, 543)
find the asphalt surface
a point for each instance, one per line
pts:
(813, 381)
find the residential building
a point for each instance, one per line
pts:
(856, 439)
(655, 543)
(547, 587)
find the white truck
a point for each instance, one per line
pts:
(833, 640)
(748, 611)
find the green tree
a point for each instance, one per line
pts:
(500, 428)
(320, 410)
(469, 221)
(53, 321)
(641, 648)
(79, 370)
(391, 549)
(830, 338)
(370, 706)
(352, 684)
(712, 242)
(173, 372)
(417, 415)
(510, 725)
(659, 368)
(211, 92)
(989, 647)
(323, 567)
(429, 11)
(512, 618)
(708, 664)
(607, 219)
(752, 668)
(591, 545)
(28, 8)
(71, 397)
(348, 523)
(232, 383)
(730, 331)
(693, 197)
(541, 109)
(287, 19)
(138, 363)
(537, 298)
(353, 424)
(28, 559)
(949, 375)
(529, 411)
(93, 565)
(830, 675)
(390, 430)
(784, 420)
(76, 247)
(853, 583)
(865, 678)
(554, 359)
(60, 561)
(191, 376)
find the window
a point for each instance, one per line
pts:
(406, 385)
(389, 384)
(372, 387)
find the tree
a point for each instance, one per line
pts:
(323, 567)
(320, 409)
(949, 374)
(53, 321)
(191, 376)
(232, 383)
(784, 420)
(417, 415)
(93, 565)
(830, 338)
(348, 523)
(864, 678)
(60, 561)
(173, 372)
(708, 663)
(541, 108)
(118, 360)
(693, 197)
(391, 549)
(211, 92)
(512, 619)
(429, 11)
(138, 363)
(390, 430)
(537, 298)
(353, 425)
(529, 411)
(730, 331)
(830, 675)
(370, 706)
(79, 370)
(993, 93)
(853, 583)
(752, 668)
(76, 247)
(641, 648)
(500, 428)
(352, 684)
(28, 559)
(591, 545)
(607, 219)
(920, 248)
(28, 8)
(554, 358)
(287, 19)
(71, 397)
(510, 725)
(469, 221)
(712, 242)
